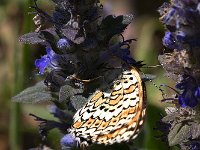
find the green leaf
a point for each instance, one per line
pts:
(170, 117)
(178, 134)
(195, 130)
(67, 91)
(78, 101)
(31, 38)
(38, 93)
(73, 35)
(49, 35)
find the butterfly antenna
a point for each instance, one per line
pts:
(123, 39)
(158, 87)
(169, 88)
(164, 95)
(155, 66)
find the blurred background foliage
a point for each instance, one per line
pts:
(17, 129)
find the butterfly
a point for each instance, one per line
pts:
(115, 115)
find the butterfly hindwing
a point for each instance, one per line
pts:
(115, 116)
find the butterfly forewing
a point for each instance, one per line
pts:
(115, 116)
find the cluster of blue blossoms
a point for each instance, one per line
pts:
(182, 20)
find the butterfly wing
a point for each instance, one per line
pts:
(114, 116)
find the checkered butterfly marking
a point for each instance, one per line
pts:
(115, 116)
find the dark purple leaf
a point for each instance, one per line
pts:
(73, 34)
(31, 38)
(112, 25)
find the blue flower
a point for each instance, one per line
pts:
(47, 61)
(169, 41)
(59, 18)
(190, 95)
(182, 19)
(126, 56)
(124, 52)
(63, 43)
(60, 114)
(120, 50)
(69, 141)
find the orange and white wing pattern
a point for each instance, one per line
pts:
(113, 116)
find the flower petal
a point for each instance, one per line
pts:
(63, 43)
(49, 60)
(69, 141)
(169, 41)
(42, 63)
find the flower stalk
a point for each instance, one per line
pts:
(181, 63)
(80, 59)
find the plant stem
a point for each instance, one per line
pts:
(15, 120)
(21, 67)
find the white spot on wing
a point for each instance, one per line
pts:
(108, 129)
(86, 115)
(90, 131)
(103, 114)
(126, 104)
(77, 116)
(97, 113)
(133, 125)
(117, 87)
(134, 136)
(114, 96)
(126, 85)
(134, 102)
(106, 95)
(108, 117)
(141, 122)
(127, 135)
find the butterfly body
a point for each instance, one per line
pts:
(113, 116)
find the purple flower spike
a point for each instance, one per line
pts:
(69, 141)
(60, 114)
(42, 63)
(49, 60)
(187, 100)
